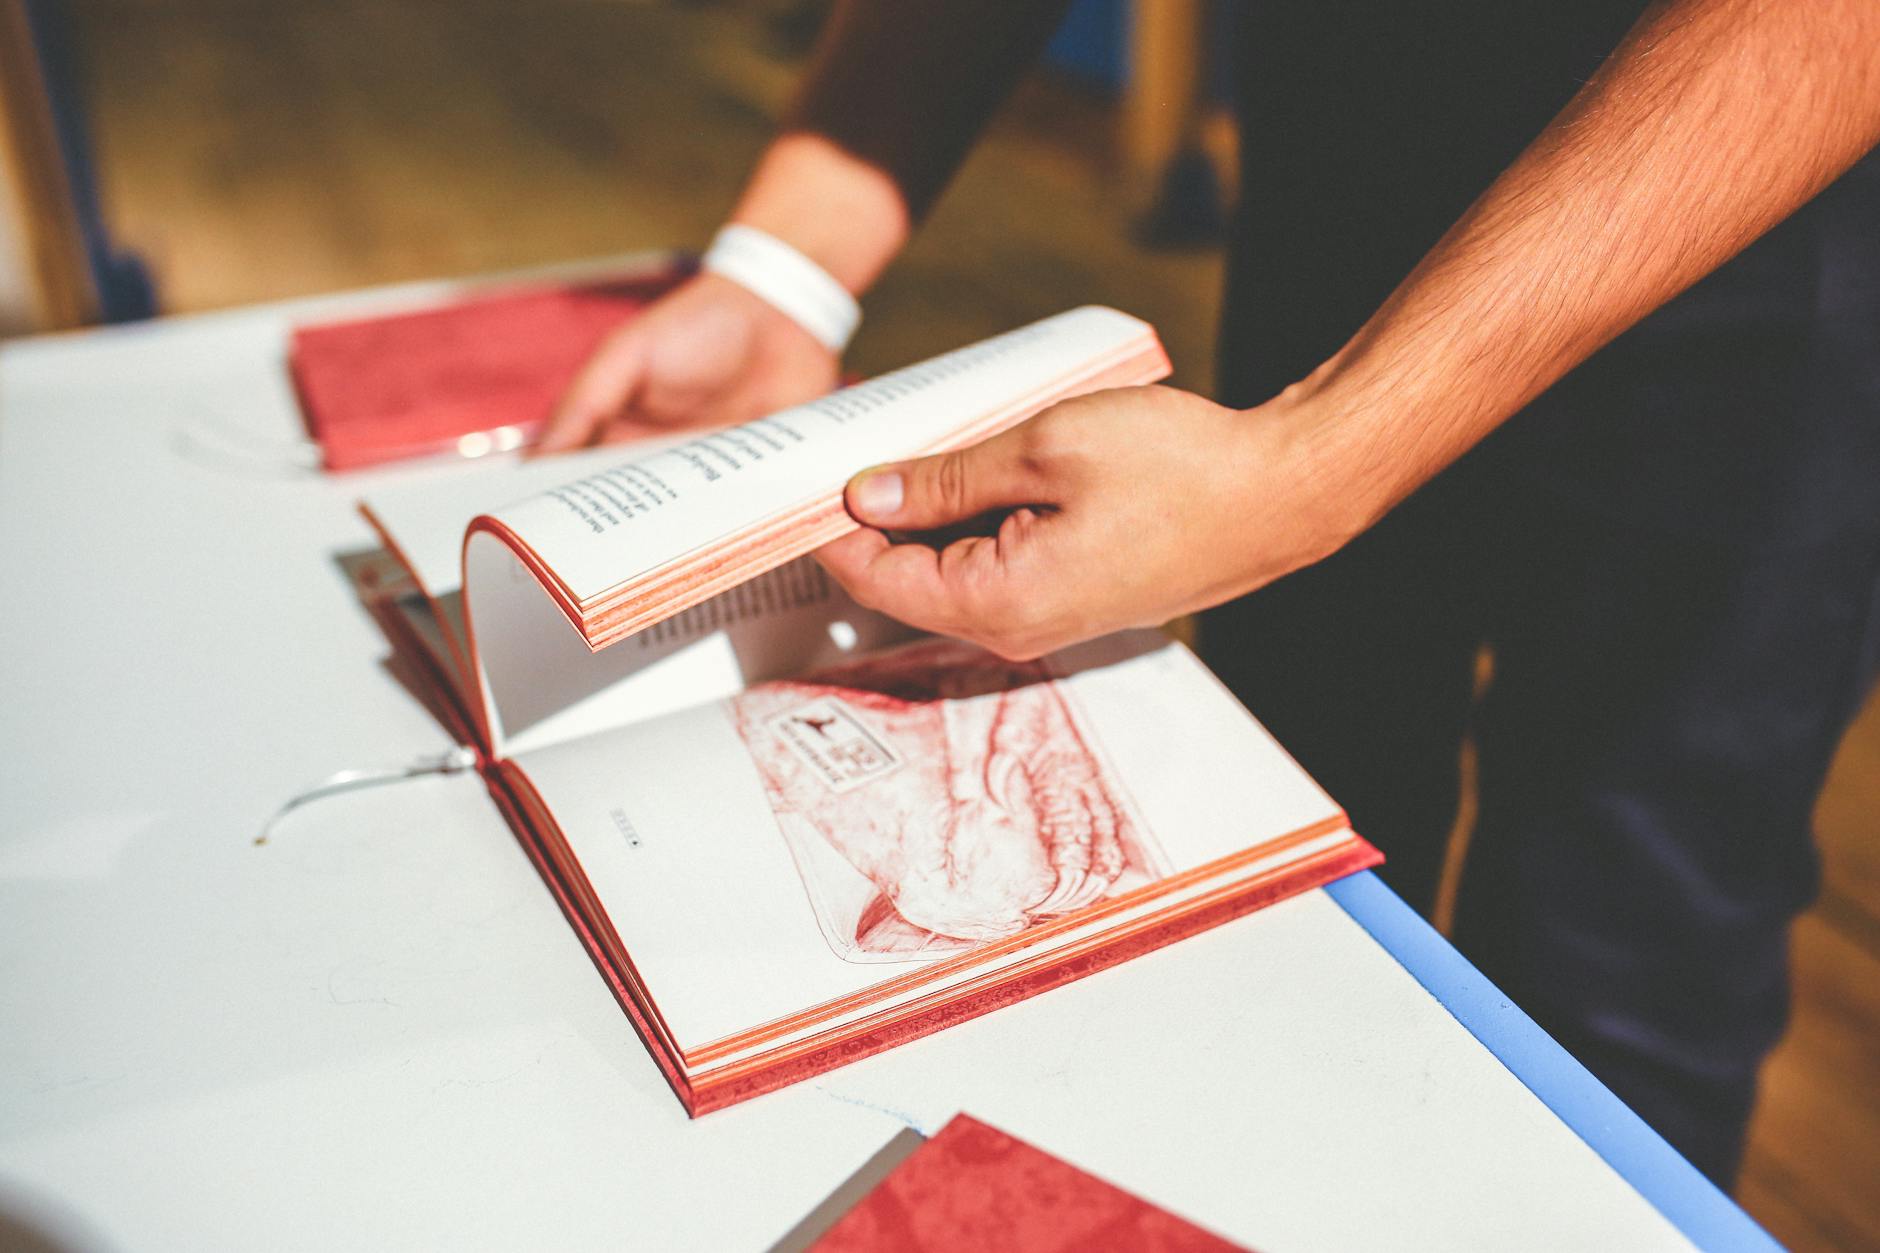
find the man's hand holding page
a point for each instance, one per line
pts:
(1152, 503)
(1119, 509)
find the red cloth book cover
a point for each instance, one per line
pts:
(975, 1189)
(417, 383)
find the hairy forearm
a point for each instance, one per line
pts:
(1711, 122)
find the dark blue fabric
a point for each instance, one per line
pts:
(1674, 556)
(124, 286)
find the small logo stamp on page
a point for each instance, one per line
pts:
(838, 749)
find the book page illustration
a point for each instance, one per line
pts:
(936, 797)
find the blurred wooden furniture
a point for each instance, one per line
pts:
(45, 279)
(1162, 98)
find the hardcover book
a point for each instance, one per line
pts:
(470, 377)
(792, 832)
(974, 1189)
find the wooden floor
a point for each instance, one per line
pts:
(253, 150)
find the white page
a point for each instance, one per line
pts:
(541, 684)
(735, 915)
(426, 518)
(535, 685)
(612, 525)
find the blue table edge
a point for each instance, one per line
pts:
(1675, 1188)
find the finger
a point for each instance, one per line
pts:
(1069, 888)
(904, 581)
(847, 559)
(961, 589)
(602, 389)
(982, 588)
(1106, 845)
(948, 488)
(1066, 833)
(1064, 894)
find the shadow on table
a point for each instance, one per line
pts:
(32, 1223)
(381, 583)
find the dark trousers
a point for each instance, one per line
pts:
(1674, 559)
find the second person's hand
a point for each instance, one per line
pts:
(710, 353)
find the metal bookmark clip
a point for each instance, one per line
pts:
(216, 443)
(453, 761)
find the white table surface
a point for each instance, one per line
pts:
(378, 1031)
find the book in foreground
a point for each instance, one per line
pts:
(791, 832)
(974, 1189)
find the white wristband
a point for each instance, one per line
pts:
(786, 279)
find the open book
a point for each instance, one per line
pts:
(792, 832)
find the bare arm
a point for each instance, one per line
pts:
(895, 95)
(1712, 121)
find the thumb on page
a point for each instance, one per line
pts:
(949, 487)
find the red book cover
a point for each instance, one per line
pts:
(417, 383)
(975, 1189)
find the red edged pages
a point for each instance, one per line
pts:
(791, 832)
(974, 1189)
(624, 548)
(462, 377)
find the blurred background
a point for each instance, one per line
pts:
(248, 151)
(176, 156)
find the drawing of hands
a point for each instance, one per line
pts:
(993, 814)
(1029, 830)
